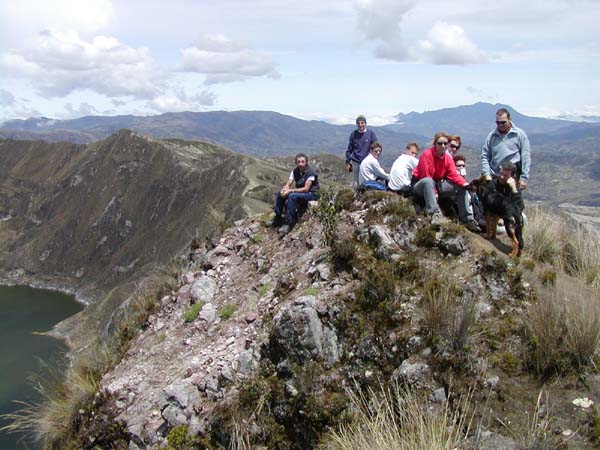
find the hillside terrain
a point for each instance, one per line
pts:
(94, 219)
(263, 339)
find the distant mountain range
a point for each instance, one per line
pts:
(270, 134)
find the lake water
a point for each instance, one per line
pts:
(23, 312)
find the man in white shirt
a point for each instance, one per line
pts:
(372, 175)
(402, 170)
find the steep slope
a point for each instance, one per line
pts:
(283, 327)
(97, 217)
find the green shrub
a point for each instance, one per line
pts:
(342, 253)
(425, 237)
(179, 439)
(548, 277)
(192, 313)
(344, 199)
(327, 215)
(263, 289)
(227, 311)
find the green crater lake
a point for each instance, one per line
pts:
(25, 311)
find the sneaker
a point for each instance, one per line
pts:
(284, 229)
(274, 222)
(473, 227)
(437, 218)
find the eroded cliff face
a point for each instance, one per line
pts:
(93, 219)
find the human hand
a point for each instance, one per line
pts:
(488, 178)
(512, 184)
(522, 184)
(349, 167)
(284, 192)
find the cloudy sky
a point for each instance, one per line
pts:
(314, 59)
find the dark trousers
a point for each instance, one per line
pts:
(292, 202)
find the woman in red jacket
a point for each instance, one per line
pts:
(435, 166)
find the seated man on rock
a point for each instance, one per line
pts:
(371, 174)
(306, 181)
(436, 166)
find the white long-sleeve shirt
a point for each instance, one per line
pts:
(401, 171)
(370, 170)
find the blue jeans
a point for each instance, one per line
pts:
(291, 203)
(425, 189)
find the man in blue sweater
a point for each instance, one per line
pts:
(359, 147)
(506, 143)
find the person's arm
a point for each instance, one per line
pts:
(285, 190)
(525, 161)
(349, 152)
(379, 171)
(304, 189)
(485, 157)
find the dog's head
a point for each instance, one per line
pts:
(481, 185)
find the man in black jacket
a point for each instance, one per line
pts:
(306, 181)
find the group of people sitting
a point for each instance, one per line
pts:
(435, 178)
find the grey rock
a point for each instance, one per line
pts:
(488, 440)
(299, 334)
(182, 392)
(203, 288)
(412, 372)
(188, 278)
(174, 416)
(439, 395)
(208, 313)
(324, 272)
(454, 245)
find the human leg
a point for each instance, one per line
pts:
(425, 189)
(294, 200)
(355, 173)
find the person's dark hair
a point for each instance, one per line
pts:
(301, 155)
(503, 111)
(509, 166)
(413, 144)
(459, 157)
(375, 145)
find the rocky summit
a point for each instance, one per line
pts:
(263, 339)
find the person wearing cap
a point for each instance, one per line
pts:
(359, 147)
(506, 143)
(435, 166)
(371, 174)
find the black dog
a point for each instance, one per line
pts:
(500, 203)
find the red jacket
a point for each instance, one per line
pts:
(431, 166)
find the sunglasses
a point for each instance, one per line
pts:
(441, 143)
(454, 145)
(460, 165)
(501, 122)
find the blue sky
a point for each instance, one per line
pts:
(328, 60)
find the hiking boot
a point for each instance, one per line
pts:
(437, 218)
(274, 222)
(284, 229)
(473, 227)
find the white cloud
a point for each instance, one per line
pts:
(58, 63)
(84, 109)
(179, 100)
(380, 21)
(6, 98)
(225, 61)
(449, 44)
(23, 18)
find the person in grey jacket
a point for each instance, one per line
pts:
(506, 143)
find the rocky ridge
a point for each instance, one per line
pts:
(284, 326)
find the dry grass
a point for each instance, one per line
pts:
(537, 433)
(568, 246)
(448, 314)
(564, 329)
(400, 419)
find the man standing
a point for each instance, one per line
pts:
(402, 170)
(506, 143)
(306, 188)
(358, 147)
